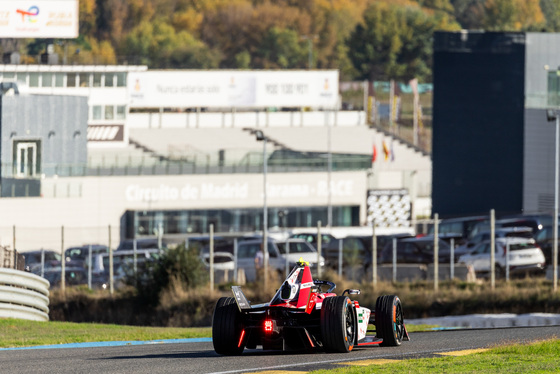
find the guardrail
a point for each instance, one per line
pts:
(23, 295)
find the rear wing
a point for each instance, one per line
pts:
(240, 299)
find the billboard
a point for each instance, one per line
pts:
(39, 19)
(388, 208)
(230, 88)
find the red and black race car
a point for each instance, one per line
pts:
(302, 317)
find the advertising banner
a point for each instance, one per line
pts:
(39, 19)
(388, 207)
(233, 89)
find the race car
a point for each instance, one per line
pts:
(301, 316)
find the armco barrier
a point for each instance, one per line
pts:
(23, 295)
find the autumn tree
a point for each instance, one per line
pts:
(395, 42)
(513, 15)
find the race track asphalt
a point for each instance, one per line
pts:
(200, 357)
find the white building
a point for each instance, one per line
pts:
(191, 158)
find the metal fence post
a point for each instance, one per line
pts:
(452, 260)
(135, 260)
(374, 255)
(211, 257)
(340, 257)
(287, 260)
(492, 249)
(319, 249)
(235, 276)
(507, 262)
(63, 262)
(436, 252)
(42, 262)
(111, 270)
(394, 260)
(89, 267)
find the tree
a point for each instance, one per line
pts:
(158, 44)
(513, 15)
(282, 48)
(395, 42)
(551, 12)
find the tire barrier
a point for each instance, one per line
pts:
(23, 295)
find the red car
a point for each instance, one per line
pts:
(302, 317)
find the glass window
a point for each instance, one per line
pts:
(9, 75)
(47, 80)
(96, 79)
(96, 112)
(33, 79)
(21, 77)
(70, 80)
(109, 79)
(59, 80)
(84, 80)
(121, 112)
(109, 112)
(121, 79)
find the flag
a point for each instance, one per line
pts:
(386, 150)
(374, 155)
(392, 151)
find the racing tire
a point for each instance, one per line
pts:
(389, 321)
(338, 324)
(227, 327)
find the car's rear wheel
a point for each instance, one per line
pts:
(389, 321)
(227, 327)
(338, 324)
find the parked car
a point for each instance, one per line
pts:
(278, 254)
(524, 257)
(460, 225)
(535, 222)
(502, 232)
(311, 238)
(544, 239)
(123, 264)
(81, 253)
(416, 251)
(143, 243)
(33, 259)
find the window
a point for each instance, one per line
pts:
(84, 80)
(109, 79)
(9, 75)
(33, 79)
(96, 112)
(70, 80)
(47, 80)
(59, 80)
(109, 112)
(121, 79)
(96, 79)
(121, 112)
(27, 158)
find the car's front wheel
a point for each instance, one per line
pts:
(338, 324)
(389, 321)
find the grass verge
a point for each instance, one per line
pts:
(539, 357)
(20, 333)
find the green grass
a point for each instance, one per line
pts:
(20, 333)
(540, 357)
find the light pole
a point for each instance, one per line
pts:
(260, 137)
(310, 39)
(555, 115)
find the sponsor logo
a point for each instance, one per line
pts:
(30, 14)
